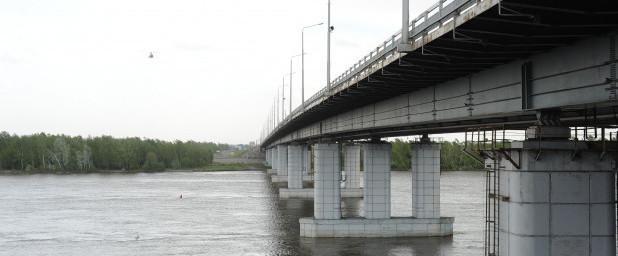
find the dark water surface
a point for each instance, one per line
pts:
(221, 213)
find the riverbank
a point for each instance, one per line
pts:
(215, 167)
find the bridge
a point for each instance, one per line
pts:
(546, 67)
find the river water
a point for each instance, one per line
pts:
(221, 213)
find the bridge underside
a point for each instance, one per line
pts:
(497, 68)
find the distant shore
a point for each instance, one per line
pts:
(215, 167)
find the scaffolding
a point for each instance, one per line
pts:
(491, 145)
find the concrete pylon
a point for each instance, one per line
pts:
(377, 176)
(294, 189)
(282, 165)
(275, 160)
(556, 197)
(327, 199)
(269, 160)
(306, 158)
(425, 163)
(377, 221)
(351, 165)
(295, 163)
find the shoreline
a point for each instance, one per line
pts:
(16, 173)
(214, 168)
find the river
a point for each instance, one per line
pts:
(221, 213)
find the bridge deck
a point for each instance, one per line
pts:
(460, 39)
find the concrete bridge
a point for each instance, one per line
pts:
(540, 66)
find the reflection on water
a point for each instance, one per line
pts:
(224, 213)
(375, 246)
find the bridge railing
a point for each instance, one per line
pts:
(441, 13)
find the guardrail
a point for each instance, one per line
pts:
(438, 15)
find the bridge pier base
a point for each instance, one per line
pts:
(556, 198)
(284, 178)
(377, 221)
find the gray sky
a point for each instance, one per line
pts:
(81, 67)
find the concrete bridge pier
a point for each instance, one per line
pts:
(298, 162)
(377, 220)
(282, 164)
(290, 156)
(269, 158)
(295, 162)
(327, 201)
(282, 167)
(296, 174)
(266, 158)
(377, 177)
(306, 158)
(274, 161)
(425, 163)
(556, 196)
(351, 166)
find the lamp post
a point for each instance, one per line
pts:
(283, 99)
(328, 29)
(302, 51)
(404, 44)
(291, 72)
(277, 116)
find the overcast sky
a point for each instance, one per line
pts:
(81, 67)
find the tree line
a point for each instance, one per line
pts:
(61, 153)
(452, 157)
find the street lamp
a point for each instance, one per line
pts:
(291, 59)
(283, 99)
(329, 29)
(302, 51)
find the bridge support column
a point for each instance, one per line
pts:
(282, 164)
(377, 176)
(269, 161)
(425, 163)
(560, 201)
(327, 199)
(351, 166)
(295, 162)
(274, 160)
(282, 169)
(377, 221)
(298, 192)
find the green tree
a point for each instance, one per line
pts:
(152, 163)
(42, 152)
(400, 155)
